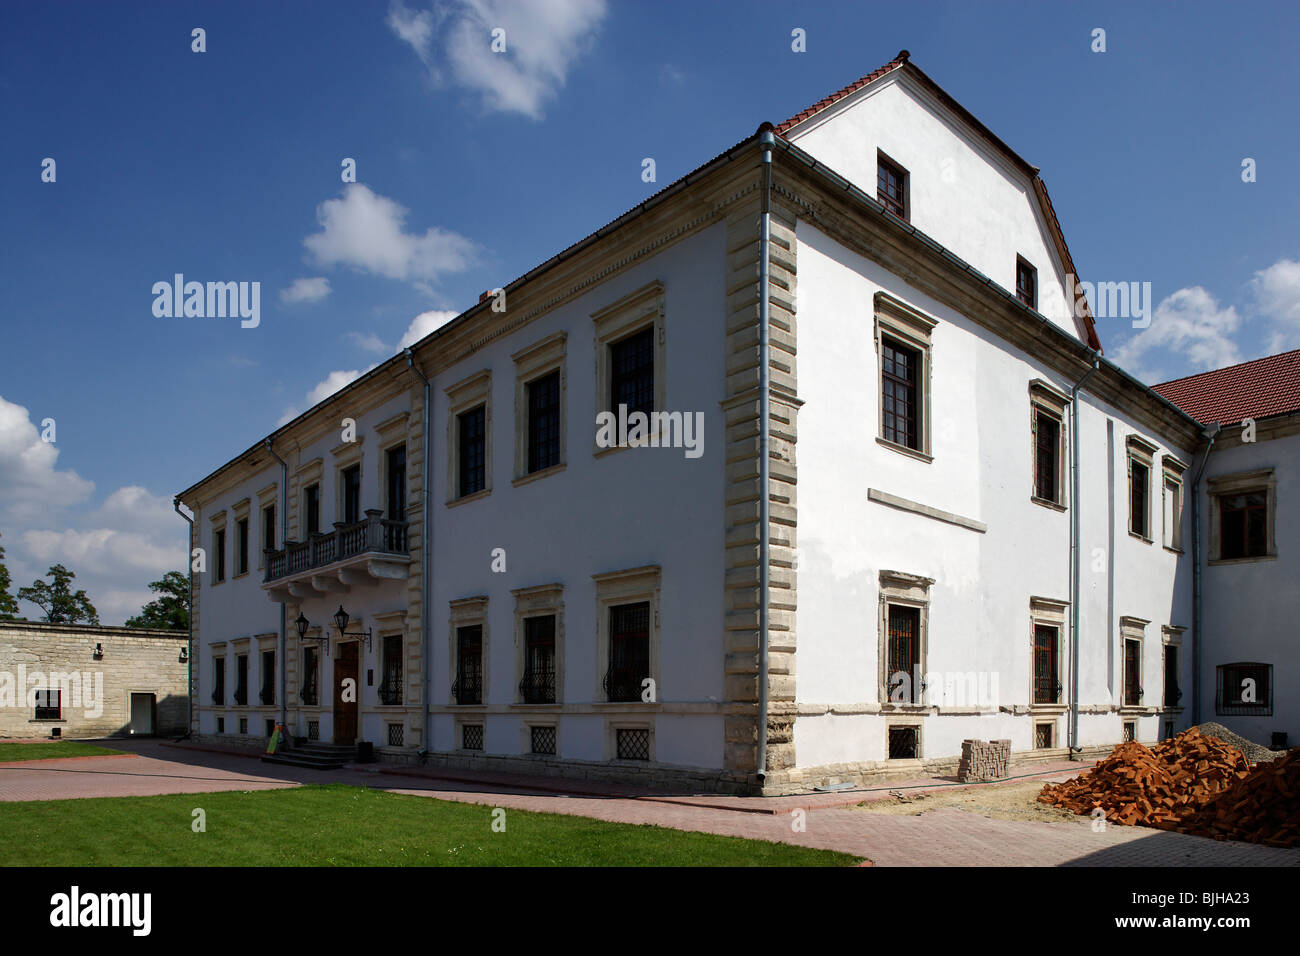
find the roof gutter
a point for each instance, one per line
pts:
(1076, 569)
(1211, 432)
(766, 140)
(426, 551)
(284, 536)
(189, 645)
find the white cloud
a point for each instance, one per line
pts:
(423, 324)
(305, 290)
(1277, 297)
(367, 342)
(543, 39)
(367, 232)
(1189, 332)
(31, 484)
(323, 389)
(115, 550)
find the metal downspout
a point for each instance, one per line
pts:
(426, 554)
(284, 534)
(1076, 584)
(1211, 432)
(767, 140)
(189, 647)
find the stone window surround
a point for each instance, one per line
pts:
(632, 313)
(1133, 629)
(466, 612)
(913, 328)
(908, 590)
(612, 726)
(531, 363)
(539, 601)
(473, 719)
(629, 586)
(1262, 479)
(906, 720)
(1143, 452)
(1047, 398)
(267, 497)
(467, 394)
(1050, 612)
(1173, 469)
(1171, 635)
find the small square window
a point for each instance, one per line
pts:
(633, 743)
(49, 705)
(542, 740)
(471, 736)
(904, 742)
(396, 735)
(1244, 689)
(1043, 735)
(1026, 283)
(313, 730)
(1130, 731)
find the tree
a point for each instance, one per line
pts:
(8, 606)
(171, 609)
(56, 599)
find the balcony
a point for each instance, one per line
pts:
(353, 555)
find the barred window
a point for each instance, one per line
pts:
(1047, 684)
(542, 740)
(632, 743)
(1245, 689)
(471, 736)
(904, 641)
(538, 683)
(310, 690)
(390, 690)
(1132, 673)
(629, 650)
(468, 686)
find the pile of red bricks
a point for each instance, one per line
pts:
(1192, 783)
(1261, 807)
(984, 760)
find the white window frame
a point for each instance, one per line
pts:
(1172, 470)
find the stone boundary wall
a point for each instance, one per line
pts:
(97, 701)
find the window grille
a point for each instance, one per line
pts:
(471, 736)
(543, 740)
(903, 742)
(633, 743)
(629, 651)
(313, 730)
(396, 735)
(1043, 736)
(632, 382)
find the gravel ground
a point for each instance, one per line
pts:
(1255, 753)
(1012, 801)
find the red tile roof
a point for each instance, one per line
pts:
(1258, 389)
(1040, 188)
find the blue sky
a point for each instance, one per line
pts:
(473, 167)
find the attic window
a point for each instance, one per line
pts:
(891, 186)
(1026, 283)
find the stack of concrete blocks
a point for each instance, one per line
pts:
(984, 760)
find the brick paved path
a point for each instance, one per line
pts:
(943, 837)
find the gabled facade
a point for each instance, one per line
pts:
(891, 495)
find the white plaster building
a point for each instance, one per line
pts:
(1250, 681)
(880, 285)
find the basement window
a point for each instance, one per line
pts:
(1130, 731)
(49, 705)
(904, 742)
(1043, 734)
(221, 725)
(396, 735)
(633, 743)
(471, 736)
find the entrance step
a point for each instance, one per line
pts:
(316, 755)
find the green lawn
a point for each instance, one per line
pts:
(43, 751)
(339, 825)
